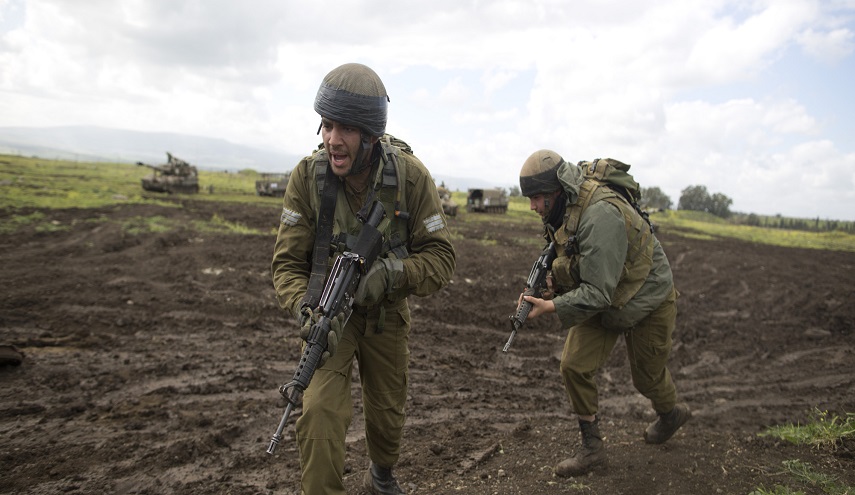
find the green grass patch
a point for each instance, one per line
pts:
(38, 183)
(11, 225)
(706, 226)
(31, 182)
(823, 431)
(220, 225)
(777, 490)
(41, 183)
(804, 474)
(146, 225)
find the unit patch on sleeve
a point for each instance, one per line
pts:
(434, 223)
(290, 217)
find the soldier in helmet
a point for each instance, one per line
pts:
(610, 277)
(357, 164)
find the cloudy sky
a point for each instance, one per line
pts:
(752, 99)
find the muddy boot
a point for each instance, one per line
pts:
(380, 481)
(667, 424)
(592, 455)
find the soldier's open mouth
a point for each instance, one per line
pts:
(339, 160)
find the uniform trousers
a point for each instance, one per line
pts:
(648, 345)
(378, 340)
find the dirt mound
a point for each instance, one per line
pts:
(152, 363)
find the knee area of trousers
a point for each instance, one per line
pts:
(567, 367)
(318, 418)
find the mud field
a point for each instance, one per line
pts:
(153, 361)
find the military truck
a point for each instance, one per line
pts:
(487, 200)
(272, 185)
(449, 207)
(174, 176)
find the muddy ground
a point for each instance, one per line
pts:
(152, 364)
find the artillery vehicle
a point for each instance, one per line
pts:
(174, 176)
(449, 207)
(487, 200)
(272, 185)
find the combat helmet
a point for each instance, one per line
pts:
(353, 94)
(539, 173)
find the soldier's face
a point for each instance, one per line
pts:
(342, 143)
(543, 203)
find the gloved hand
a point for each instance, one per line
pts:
(333, 338)
(379, 281)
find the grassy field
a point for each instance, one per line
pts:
(705, 225)
(36, 183)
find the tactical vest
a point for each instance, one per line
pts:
(606, 180)
(337, 233)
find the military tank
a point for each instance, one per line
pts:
(449, 207)
(174, 176)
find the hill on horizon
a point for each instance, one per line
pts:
(90, 143)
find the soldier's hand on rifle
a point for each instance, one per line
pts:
(333, 338)
(539, 306)
(307, 319)
(549, 292)
(379, 281)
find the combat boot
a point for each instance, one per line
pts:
(592, 455)
(667, 424)
(380, 481)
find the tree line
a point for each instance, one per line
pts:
(697, 198)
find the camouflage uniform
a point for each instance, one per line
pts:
(377, 337)
(592, 301)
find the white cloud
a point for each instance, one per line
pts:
(678, 89)
(728, 49)
(829, 47)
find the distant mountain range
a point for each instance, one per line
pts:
(87, 143)
(117, 145)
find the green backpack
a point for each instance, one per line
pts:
(607, 172)
(606, 179)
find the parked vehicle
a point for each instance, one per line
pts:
(272, 185)
(487, 200)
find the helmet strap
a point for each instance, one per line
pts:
(361, 160)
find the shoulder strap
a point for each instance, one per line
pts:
(586, 192)
(395, 176)
(328, 186)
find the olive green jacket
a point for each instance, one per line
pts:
(431, 261)
(603, 244)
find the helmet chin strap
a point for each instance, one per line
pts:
(360, 161)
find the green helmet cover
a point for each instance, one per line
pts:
(353, 94)
(539, 173)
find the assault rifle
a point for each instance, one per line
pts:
(337, 298)
(534, 286)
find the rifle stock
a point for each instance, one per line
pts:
(337, 298)
(534, 286)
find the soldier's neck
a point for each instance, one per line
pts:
(359, 182)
